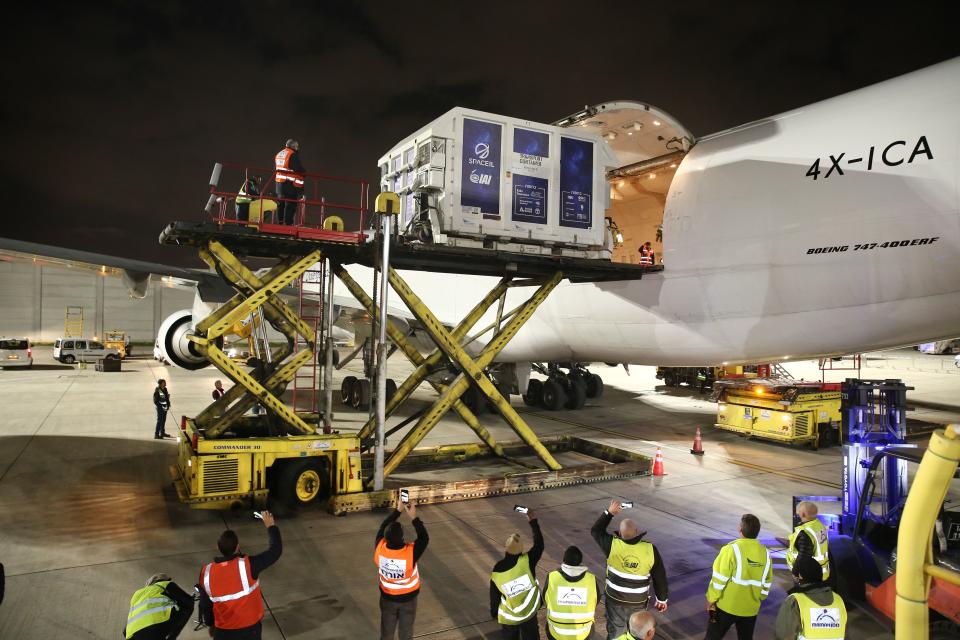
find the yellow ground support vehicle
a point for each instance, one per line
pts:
(225, 472)
(117, 340)
(783, 410)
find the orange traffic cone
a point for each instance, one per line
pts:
(658, 464)
(697, 444)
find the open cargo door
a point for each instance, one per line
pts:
(649, 144)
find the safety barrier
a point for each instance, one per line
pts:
(331, 207)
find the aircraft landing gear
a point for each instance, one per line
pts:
(563, 390)
(357, 392)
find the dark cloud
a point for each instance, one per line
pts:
(114, 112)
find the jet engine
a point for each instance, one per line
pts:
(175, 347)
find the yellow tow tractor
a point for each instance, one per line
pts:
(799, 413)
(117, 340)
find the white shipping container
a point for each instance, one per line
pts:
(485, 176)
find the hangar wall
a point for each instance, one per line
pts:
(34, 298)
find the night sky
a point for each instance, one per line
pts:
(114, 112)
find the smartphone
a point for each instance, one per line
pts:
(520, 508)
(626, 505)
(404, 496)
(258, 515)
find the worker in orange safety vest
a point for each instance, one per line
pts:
(230, 601)
(289, 177)
(396, 562)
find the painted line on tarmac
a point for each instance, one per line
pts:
(785, 474)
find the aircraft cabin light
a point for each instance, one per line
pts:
(656, 123)
(673, 166)
(637, 126)
(629, 133)
(652, 176)
(611, 136)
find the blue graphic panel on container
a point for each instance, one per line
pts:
(576, 183)
(531, 143)
(481, 166)
(529, 199)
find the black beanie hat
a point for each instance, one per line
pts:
(394, 534)
(572, 556)
(808, 569)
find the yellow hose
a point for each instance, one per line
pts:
(914, 550)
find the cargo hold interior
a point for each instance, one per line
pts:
(650, 144)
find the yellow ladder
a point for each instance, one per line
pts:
(73, 322)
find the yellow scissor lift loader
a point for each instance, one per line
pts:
(227, 458)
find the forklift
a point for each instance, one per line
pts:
(863, 537)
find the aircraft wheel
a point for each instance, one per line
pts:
(346, 389)
(576, 393)
(534, 395)
(504, 390)
(553, 397)
(475, 400)
(594, 385)
(360, 399)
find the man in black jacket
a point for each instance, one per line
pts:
(161, 400)
(229, 546)
(632, 564)
(525, 629)
(399, 591)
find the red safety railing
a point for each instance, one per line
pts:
(332, 208)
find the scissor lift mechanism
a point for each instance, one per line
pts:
(262, 294)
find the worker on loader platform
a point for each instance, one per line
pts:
(158, 611)
(396, 562)
(514, 590)
(633, 566)
(742, 574)
(811, 609)
(230, 601)
(290, 177)
(809, 538)
(246, 195)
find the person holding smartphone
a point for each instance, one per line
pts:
(633, 566)
(396, 562)
(514, 590)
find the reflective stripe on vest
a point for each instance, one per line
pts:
(234, 593)
(571, 605)
(628, 571)
(519, 592)
(149, 606)
(742, 592)
(815, 530)
(820, 622)
(282, 164)
(398, 572)
(242, 196)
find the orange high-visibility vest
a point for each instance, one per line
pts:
(284, 173)
(235, 594)
(398, 572)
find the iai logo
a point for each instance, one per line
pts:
(480, 178)
(482, 150)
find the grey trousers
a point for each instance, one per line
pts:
(618, 616)
(397, 614)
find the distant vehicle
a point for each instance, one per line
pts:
(940, 347)
(15, 352)
(70, 350)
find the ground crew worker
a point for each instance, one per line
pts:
(230, 601)
(642, 626)
(811, 610)
(809, 538)
(290, 176)
(217, 390)
(246, 195)
(396, 562)
(741, 580)
(631, 564)
(570, 595)
(158, 611)
(161, 400)
(514, 590)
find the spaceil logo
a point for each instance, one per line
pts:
(482, 152)
(480, 178)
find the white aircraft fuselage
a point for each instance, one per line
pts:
(830, 229)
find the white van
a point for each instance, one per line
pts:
(15, 352)
(70, 350)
